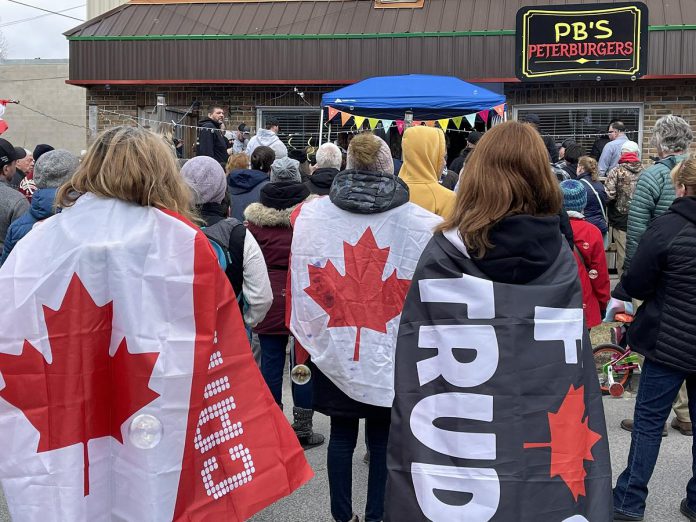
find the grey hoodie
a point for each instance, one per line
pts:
(270, 139)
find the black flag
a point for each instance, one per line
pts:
(498, 413)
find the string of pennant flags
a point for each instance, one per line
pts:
(443, 123)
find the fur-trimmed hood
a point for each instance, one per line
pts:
(263, 216)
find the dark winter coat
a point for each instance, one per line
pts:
(550, 148)
(245, 188)
(594, 210)
(663, 275)
(320, 182)
(272, 231)
(212, 144)
(41, 208)
(364, 192)
(598, 146)
(360, 192)
(571, 169)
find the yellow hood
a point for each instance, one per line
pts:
(423, 154)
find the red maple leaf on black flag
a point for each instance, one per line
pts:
(571, 441)
(83, 393)
(359, 298)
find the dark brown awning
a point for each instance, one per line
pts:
(329, 41)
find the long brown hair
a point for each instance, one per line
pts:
(130, 164)
(507, 173)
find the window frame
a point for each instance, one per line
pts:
(538, 108)
(292, 108)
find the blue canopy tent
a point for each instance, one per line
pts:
(428, 97)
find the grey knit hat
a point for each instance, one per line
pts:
(207, 179)
(55, 168)
(285, 169)
(371, 153)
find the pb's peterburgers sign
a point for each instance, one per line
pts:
(581, 41)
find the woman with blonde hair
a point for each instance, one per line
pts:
(663, 275)
(491, 347)
(131, 319)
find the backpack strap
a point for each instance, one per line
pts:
(599, 200)
(235, 246)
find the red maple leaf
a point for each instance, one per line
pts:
(571, 441)
(82, 393)
(359, 298)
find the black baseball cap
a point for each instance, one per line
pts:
(243, 128)
(10, 153)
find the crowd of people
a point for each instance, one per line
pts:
(507, 214)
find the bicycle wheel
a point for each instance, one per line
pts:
(604, 354)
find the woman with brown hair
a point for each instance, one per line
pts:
(491, 347)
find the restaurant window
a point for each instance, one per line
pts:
(584, 122)
(299, 126)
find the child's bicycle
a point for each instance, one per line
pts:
(615, 362)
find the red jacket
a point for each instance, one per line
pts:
(271, 229)
(592, 269)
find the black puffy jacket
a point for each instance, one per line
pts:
(663, 275)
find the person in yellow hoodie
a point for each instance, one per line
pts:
(424, 155)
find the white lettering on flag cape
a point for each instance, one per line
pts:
(348, 280)
(115, 317)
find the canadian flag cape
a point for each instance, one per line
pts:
(3, 123)
(348, 280)
(127, 386)
(498, 413)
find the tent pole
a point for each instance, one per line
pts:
(321, 124)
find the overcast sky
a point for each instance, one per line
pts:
(42, 37)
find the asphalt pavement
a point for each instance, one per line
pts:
(311, 502)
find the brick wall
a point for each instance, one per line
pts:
(659, 97)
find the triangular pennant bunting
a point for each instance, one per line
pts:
(359, 120)
(332, 113)
(457, 120)
(484, 115)
(443, 123)
(471, 119)
(400, 126)
(386, 124)
(416, 123)
(345, 116)
(373, 123)
(430, 123)
(500, 109)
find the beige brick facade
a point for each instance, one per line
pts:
(40, 85)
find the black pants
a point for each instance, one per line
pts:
(344, 436)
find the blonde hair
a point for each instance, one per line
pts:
(508, 173)
(133, 165)
(237, 161)
(685, 174)
(589, 165)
